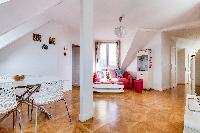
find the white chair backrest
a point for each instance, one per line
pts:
(7, 97)
(52, 91)
(6, 77)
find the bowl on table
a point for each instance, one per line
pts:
(19, 77)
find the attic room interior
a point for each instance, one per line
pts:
(99, 66)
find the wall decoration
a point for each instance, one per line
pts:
(142, 63)
(65, 51)
(44, 46)
(37, 37)
(144, 67)
(52, 40)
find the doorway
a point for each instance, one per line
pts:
(75, 65)
(180, 67)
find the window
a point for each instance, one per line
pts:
(112, 50)
(3, 1)
(108, 55)
(103, 56)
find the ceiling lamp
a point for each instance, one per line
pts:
(120, 31)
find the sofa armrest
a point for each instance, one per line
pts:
(130, 78)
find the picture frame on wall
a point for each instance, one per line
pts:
(52, 40)
(37, 37)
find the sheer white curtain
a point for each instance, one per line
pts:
(107, 55)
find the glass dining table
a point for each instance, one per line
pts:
(25, 89)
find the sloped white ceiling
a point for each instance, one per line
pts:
(22, 30)
(141, 39)
(151, 14)
(139, 14)
(16, 12)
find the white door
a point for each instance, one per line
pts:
(188, 70)
(76, 66)
(173, 67)
(192, 75)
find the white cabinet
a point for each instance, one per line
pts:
(144, 67)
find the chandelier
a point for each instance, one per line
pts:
(120, 31)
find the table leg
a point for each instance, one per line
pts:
(48, 115)
(28, 109)
(13, 119)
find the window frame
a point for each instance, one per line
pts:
(107, 54)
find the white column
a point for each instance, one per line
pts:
(86, 60)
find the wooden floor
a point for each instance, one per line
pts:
(129, 112)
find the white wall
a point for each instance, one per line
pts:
(25, 56)
(132, 68)
(166, 60)
(161, 46)
(197, 71)
(126, 45)
(191, 47)
(155, 45)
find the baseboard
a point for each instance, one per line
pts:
(85, 117)
(166, 89)
(156, 89)
(75, 85)
(163, 89)
(181, 83)
(67, 89)
(67, 86)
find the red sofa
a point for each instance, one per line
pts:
(126, 80)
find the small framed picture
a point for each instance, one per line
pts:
(37, 37)
(52, 40)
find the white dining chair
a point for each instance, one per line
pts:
(8, 102)
(49, 92)
(6, 77)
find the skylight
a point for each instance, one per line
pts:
(3, 1)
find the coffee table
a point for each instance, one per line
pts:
(113, 87)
